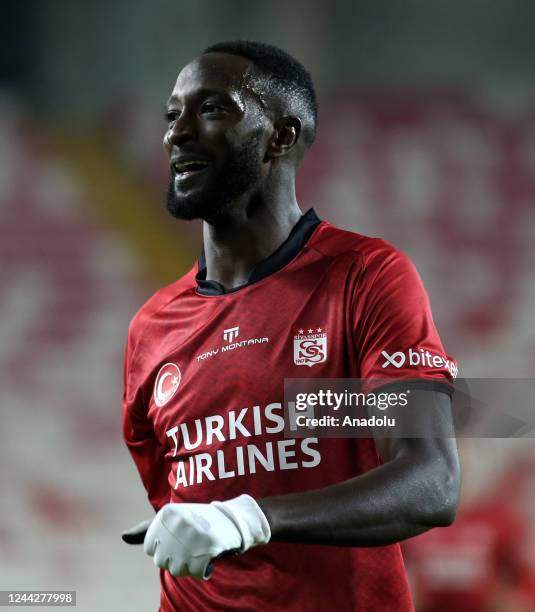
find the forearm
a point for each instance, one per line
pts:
(394, 501)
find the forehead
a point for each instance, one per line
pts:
(213, 71)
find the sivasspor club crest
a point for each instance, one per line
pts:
(310, 346)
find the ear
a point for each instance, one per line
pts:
(286, 131)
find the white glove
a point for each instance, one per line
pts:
(186, 538)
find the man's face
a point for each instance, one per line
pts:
(216, 138)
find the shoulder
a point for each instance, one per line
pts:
(159, 302)
(377, 271)
(372, 253)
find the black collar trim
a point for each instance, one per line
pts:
(297, 239)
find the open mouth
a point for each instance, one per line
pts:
(188, 168)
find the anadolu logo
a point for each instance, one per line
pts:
(166, 385)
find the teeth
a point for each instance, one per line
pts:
(183, 166)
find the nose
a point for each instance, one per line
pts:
(181, 130)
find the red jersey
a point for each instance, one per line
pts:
(203, 406)
(464, 566)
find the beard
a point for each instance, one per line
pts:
(213, 201)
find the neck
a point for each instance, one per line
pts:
(255, 229)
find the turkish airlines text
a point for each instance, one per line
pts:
(230, 460)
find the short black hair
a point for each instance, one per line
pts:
(284, 74)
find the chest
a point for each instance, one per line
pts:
(214, 355)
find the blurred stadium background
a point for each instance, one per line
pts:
(427, 138)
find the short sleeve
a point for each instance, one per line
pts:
(138, 433)
(395, 336)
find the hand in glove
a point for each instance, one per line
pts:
(186, 538)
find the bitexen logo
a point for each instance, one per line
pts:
(417, 358)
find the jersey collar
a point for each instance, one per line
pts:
(296, 240)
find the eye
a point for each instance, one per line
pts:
(211, 107)
(171, 115)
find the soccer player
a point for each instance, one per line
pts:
(248, 518)
(481, 562)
